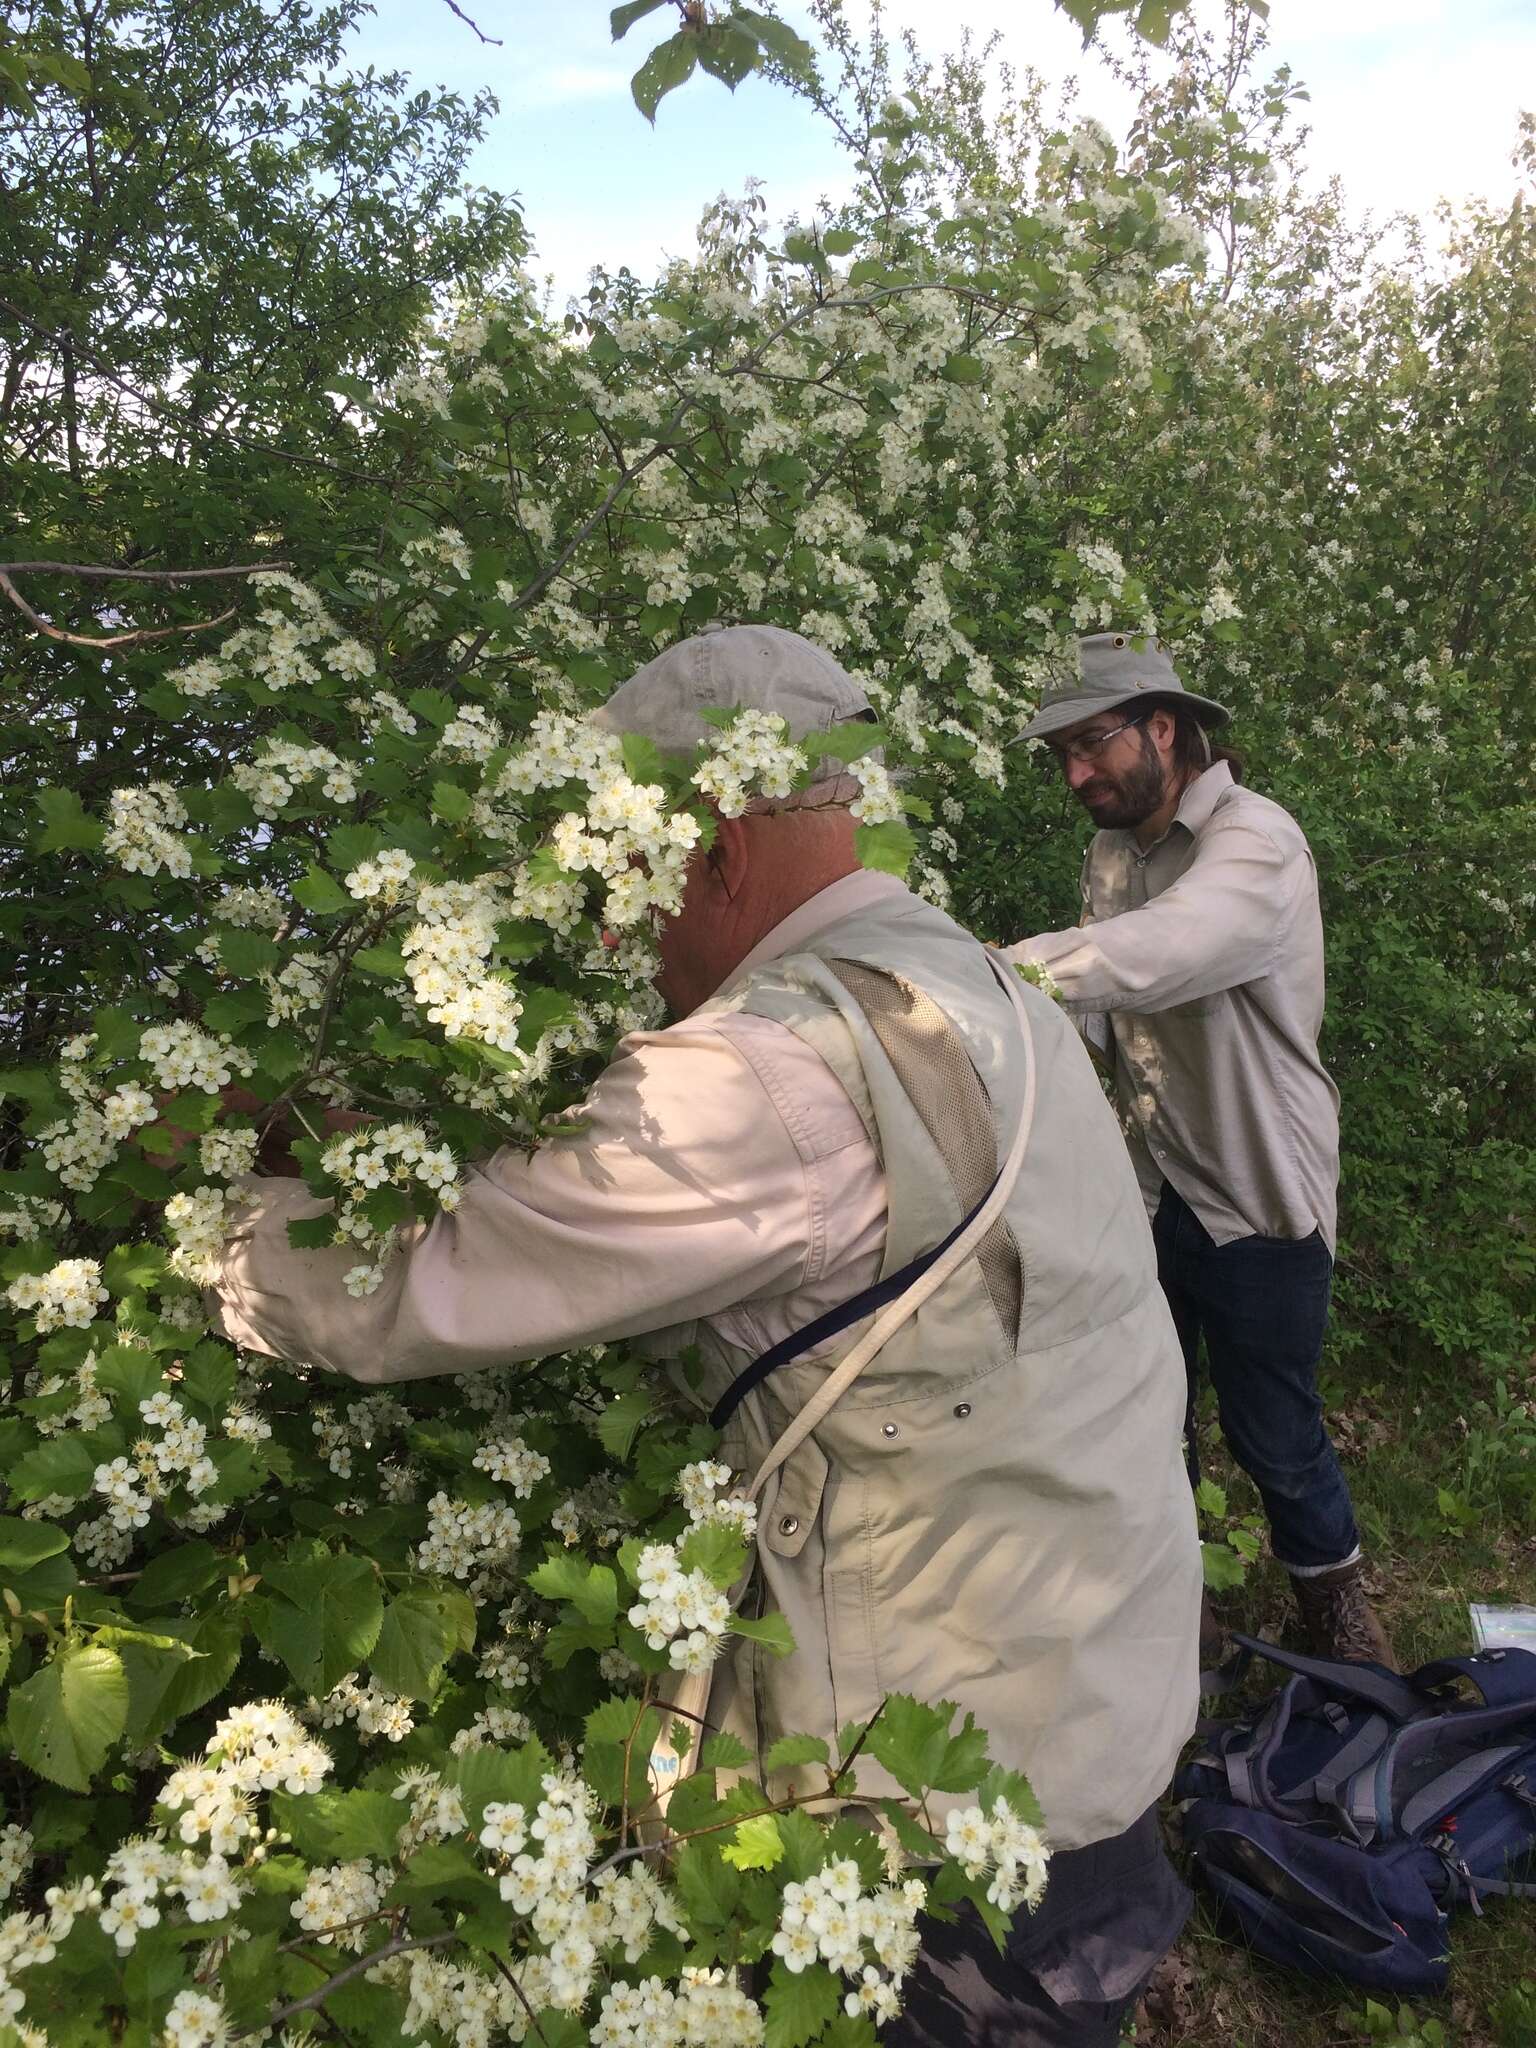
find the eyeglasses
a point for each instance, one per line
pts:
(1089, 747)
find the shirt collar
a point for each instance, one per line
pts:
(1196, 804)
(828, 906)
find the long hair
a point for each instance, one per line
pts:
(1193, 748)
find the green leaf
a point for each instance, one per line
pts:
(622, 19)
(451, 803)
(24, 1544)
(336, 1827)
(755, 1845)
(388, 962)
(247, 953)
(619, 1421)
(162, 1689)
(913, 1742)
(419, 1633)
(1224, 1569)
(888, 847)
(717, 1551)
(963, 369)
(175, 1575)
(592, 1589)
(321, 893)
(1210, 1498)
(209, 1375)
(795, 1749)
(328, 1621)
(130, 1374)
(312, 1233)
(66, 826)
(62, 1465)
(724, 1752)
(771, 1630)
(668, 66)
(130, 1267)
(65, 1719)
(798, 2004)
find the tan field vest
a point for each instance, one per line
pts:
(996, 1513)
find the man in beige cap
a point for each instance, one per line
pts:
(995, 1512)
(1202, 941)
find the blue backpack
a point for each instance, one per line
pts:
(1341, 1824)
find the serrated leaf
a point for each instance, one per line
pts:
(24, 1544)
(887, 847)
(716, 1550)
(129, 1267)
(65, 1719)
(755, 1845)
(1224, 1569)
(312, 1233)
(335, 1827)
(451, 803)
(66, 826)
(795, 1749)
(619, 1421)
(129, 1374)
(964, 369)
(724, 1752)
(771, 1630)
(592, 1589)
(321, 893)
(1210, 1498)
(247, 953)
(62, 1465)
(175, 1575)
(622, 19)
(910, 1740)
(798, 2004)
(420, 1631)
(326, 1619)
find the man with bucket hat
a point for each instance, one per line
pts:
(994, 1510)
(1201, 944)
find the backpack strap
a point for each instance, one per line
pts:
(1447, 1791)
(1503, 1677)
(1398, 1698)
(961, 1247)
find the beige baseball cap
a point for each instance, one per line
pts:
(734, 668)
(1115, 669)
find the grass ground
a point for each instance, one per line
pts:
(1443, 1474)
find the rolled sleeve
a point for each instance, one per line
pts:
(682, 1193)
(1215, 928)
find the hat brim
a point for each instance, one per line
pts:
(1082, 705)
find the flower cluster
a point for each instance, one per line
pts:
(144, 1870)
(830, 1918)
(66, 1294)
(337, 1895)
(144, 831)
(509, 1460)
(683, 1613)
(180, 1055)
(254, 1748)
(376, 1711)
(475, 1541)
(1003, 1841)
(282, 766)
(446, 955)
(755, 757)
(376, 1156)
(707, 2009)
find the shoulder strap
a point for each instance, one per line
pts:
(1503, 1677)
(949, 1259)
(1398, 1698)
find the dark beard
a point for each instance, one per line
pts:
(1133, 796)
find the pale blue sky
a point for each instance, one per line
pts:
(1411, 100)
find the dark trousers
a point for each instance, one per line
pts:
(1261, 1306)
(1072, 1969)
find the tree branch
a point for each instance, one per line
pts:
(454, 8)
(100, 572)
(139, 638)
(314, 1998)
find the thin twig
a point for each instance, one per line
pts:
(454, 8)
(353, 1970)
(104, 573)
(847, 1763)
(140, 638)
(533, 2018)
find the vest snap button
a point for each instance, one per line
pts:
(963, 1410)
(789, 1525)
(889, 1429)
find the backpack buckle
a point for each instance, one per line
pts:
(1518, 1788)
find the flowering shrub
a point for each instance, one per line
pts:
(331, 1709)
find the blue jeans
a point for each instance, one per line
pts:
(1261, 1305)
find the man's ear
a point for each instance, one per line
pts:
(729, 857)
(1162, 730)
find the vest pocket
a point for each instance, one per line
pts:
(790, 1515)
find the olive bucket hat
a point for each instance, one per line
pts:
(1115, 669)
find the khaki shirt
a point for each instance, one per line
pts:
(1207, 953)
(718, 1170)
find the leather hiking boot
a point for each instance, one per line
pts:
(1337, 1620)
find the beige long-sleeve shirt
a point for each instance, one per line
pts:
(721, 1171)
(1206, 951)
